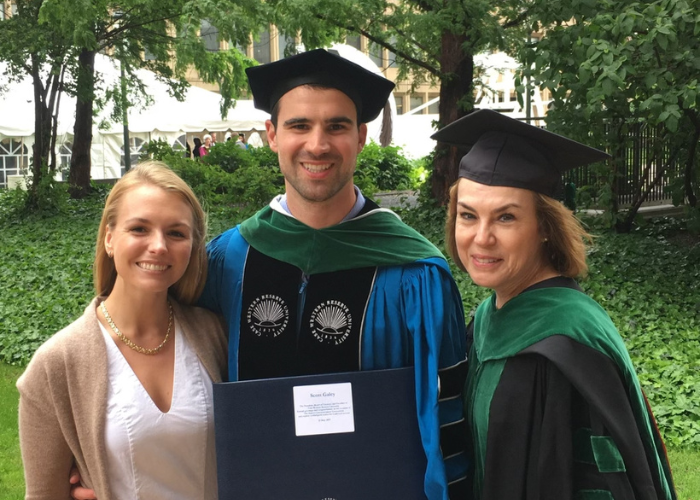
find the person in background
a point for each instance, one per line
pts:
(554, 407)
(196, 152)
(125, 391)
(204, 148)
(240, 141)
(254, 140)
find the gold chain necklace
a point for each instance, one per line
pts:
(138, 348)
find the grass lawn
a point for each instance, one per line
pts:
(11, 477)
(685, 463)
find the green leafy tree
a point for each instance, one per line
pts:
(42, 55)
(429, 40)
(390, 170)
(159, 35)
(612, 65)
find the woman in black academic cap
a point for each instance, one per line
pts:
(554, 407)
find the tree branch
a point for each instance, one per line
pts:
(518, 19)
(422, 64)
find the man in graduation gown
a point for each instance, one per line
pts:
(555, 409)
(323, 280)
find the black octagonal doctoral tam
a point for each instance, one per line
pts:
(369, 91)
(508, 152)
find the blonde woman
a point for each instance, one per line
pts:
(124, 393)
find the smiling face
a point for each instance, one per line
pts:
(498, 238)
(317, 140)
(151, 240)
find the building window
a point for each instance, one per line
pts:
(180, 143)
(416, 101)
(354, 41)
(135, 145)
(13, 159)
(376, 53)
(285, 45)
(64, 155)
(434, 108)
(210, 36)
(261, 47)
(392, 61)
(399, 104)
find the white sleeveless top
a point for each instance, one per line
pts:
(154, 455)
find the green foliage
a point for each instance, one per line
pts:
(13, 204)
(387, 167)
(636, 278)
(47, 197)
(46, 281)
(46, 276)
(157, 150)
(228, 156)
(264, 157)
(245, 190)
(613, 65)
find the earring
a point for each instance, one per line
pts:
(545, 240)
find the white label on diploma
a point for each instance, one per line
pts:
(323, 409)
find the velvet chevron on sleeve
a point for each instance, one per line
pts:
(555, 408)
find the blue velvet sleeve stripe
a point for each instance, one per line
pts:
(415, 317)
(222, 292)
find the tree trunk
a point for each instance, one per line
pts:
(42, 132)
(79, 177)
(453, 89)
(54, 105)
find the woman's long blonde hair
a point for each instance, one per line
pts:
(155, 173)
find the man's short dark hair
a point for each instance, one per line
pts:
(274, 113)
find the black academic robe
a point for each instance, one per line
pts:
(564, 419)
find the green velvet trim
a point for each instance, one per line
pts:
(583, 451)
(607, 456)
(538, 314)
(593, 495)
(377, 238)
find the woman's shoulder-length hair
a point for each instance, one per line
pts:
(566, 238)
(156, 173)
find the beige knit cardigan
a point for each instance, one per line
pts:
(63, 400)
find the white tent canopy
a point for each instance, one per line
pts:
(167, 118)
(412, 130)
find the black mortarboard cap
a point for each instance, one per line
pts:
(369, 91)
(508, 152)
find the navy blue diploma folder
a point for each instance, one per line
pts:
(260, 456)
